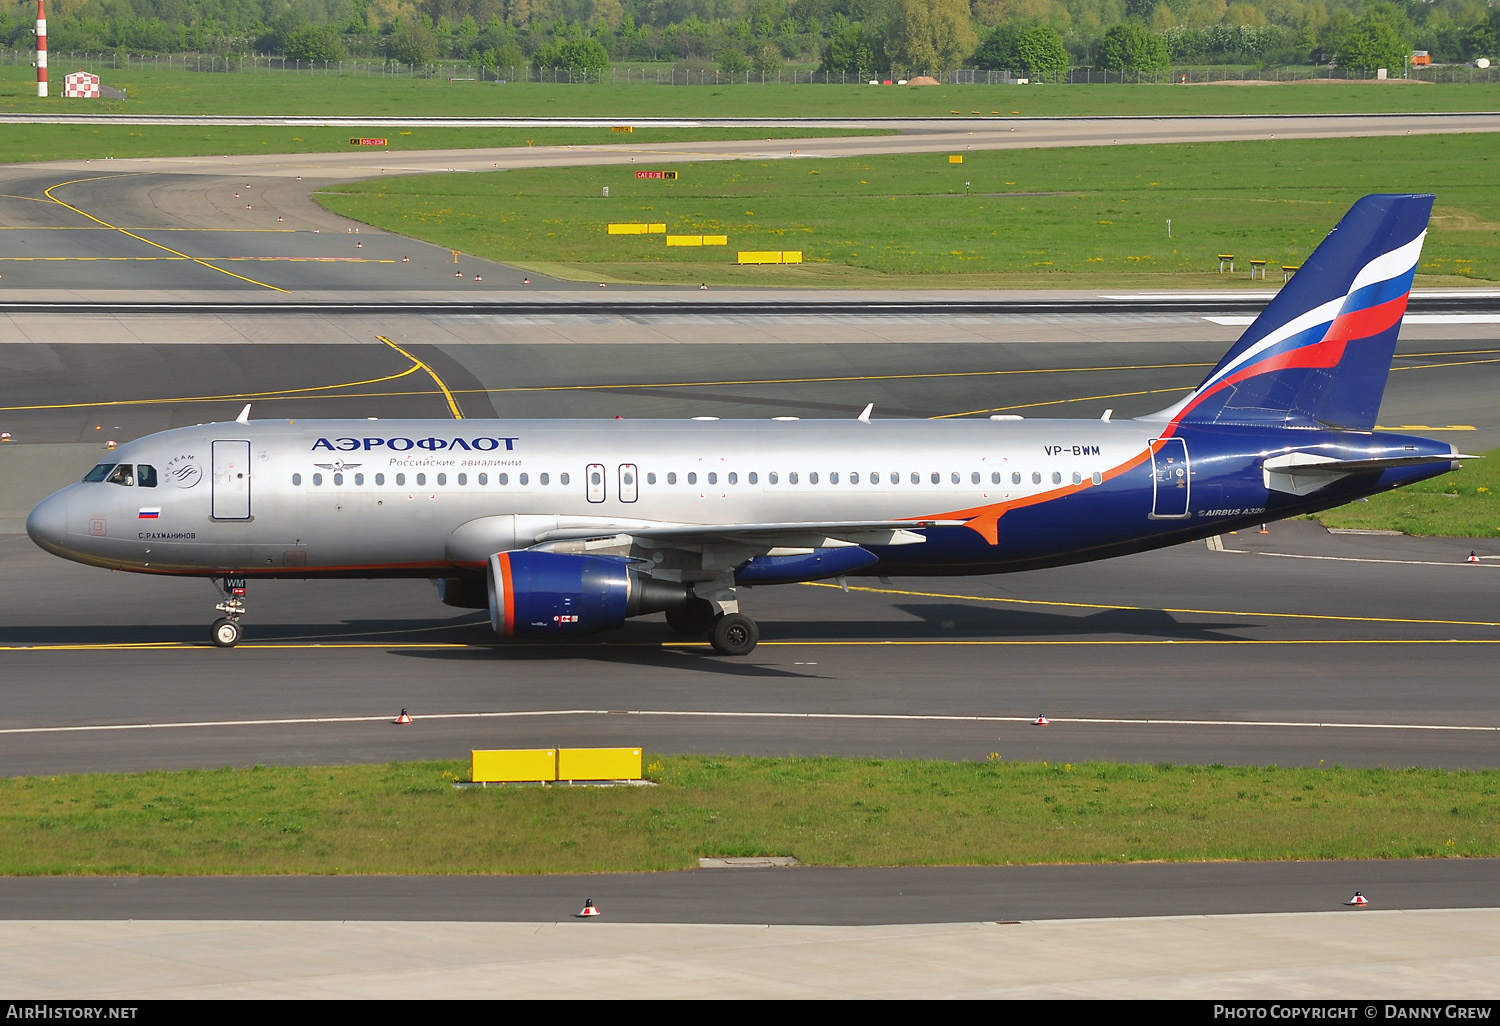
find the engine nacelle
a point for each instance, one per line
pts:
(547, 594)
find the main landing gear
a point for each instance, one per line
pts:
(226, 629)
(728, 630)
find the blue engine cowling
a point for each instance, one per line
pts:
(546, 594)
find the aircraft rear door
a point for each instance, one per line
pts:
(231, 499)
(596, 482)
(1172, 480)
(627, 482)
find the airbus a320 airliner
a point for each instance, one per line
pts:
(567, 527)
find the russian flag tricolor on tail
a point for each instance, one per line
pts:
(1320, 352)
(149, 513)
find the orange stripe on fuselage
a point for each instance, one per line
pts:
(986, 519)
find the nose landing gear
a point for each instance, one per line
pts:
(226, 629)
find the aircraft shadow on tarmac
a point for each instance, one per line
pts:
(930, 622)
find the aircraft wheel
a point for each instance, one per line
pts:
(226, 632)
(697, 617)
(733, 634)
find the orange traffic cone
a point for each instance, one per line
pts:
(1358, 901)
(1473, 556)
(1263, 529)
(1040, 721)
(587, 910)
(403, 718)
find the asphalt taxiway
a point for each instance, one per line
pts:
(1292, 647)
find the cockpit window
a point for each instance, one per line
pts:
(124, 474)
(145, 475)
(98, 473)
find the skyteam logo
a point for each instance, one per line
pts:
(430, 444)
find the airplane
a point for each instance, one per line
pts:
(563, 528)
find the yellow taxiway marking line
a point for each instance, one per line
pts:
(841, 377)
(48, 193)
(452, 403)
(1427, 427)
(135, 228)
(285, 393)
(501, 646)
(1165, 609)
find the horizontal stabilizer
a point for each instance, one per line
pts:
(1299, 473)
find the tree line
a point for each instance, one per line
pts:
(1040, 38)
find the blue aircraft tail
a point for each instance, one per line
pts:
(1319, 354)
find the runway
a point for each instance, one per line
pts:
(1294, 647)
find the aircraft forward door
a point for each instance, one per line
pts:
(596, 482)
(231, 497)
(1172, 480)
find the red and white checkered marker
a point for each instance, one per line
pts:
(1358, 901)
(403, 718)
(587, 910)
(1040, 721)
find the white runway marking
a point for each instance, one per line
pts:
(1235, 321)
(702, 714)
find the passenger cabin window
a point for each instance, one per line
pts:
(124, 474)
(145, 475)
(296, 479)
(380, 479)
(754, 477)
(99, 473)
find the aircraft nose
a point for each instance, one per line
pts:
(48, 523)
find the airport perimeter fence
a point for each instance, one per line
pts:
(692, 74)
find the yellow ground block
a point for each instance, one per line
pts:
(515, 765)
(684, 240)
(790, 256)
(637, 229)
(957, 158)
(716, 240)
(598, 764)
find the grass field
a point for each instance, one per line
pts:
(1083, 218)
(175, 91)
(409, 818)
(1463, 504)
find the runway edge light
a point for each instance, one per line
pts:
(1358, 901)
(588, 909)
(404, 717)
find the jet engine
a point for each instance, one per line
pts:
(555, 594)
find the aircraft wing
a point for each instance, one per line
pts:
(773, 538)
